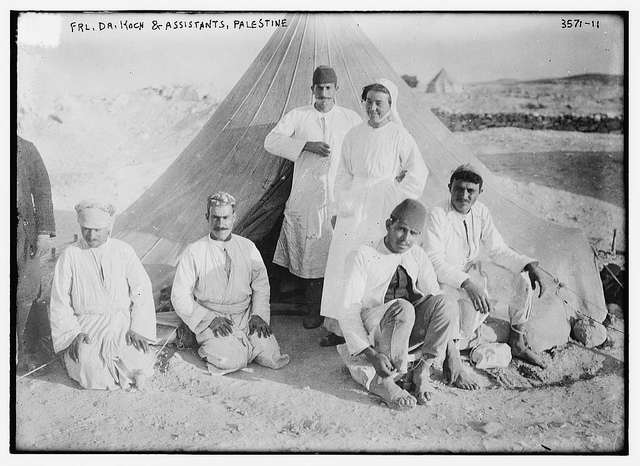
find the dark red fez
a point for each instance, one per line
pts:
(324, 74)
(410, 212)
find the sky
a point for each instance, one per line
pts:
(78, 53)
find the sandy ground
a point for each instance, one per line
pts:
(577, 405)
(314, 405)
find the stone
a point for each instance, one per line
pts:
(488, 355)
(615, 310)
(589, 332)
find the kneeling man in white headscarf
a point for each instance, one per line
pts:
(102, 312)
(221, 291)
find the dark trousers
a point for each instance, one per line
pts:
(28, 289)
(313, 295)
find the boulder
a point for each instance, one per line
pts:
(589, 332)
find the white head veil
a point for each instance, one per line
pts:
(393, 90)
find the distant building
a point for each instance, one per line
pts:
(412, 81)
(442, 83)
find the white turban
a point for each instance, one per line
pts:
(95, 214)
(393, 91)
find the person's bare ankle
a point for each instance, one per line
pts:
(521, 350)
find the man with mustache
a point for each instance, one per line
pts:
(456, 228)
(393, 303)
(311, 137)
(221, 291)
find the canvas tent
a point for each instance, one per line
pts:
(442, 83)
(228, 154)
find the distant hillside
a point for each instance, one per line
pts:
(97, 144)
(589, 78)
(583, 95)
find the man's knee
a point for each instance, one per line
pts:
(521, 283)
(403, 312)
(266, 352)
(225, 352)
(446, 306)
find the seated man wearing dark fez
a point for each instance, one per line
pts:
(393, 303)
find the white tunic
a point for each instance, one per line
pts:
(452, 248)
(367, 189)
(306, 232)
(369, 271)
(102, 292)
(201, 275)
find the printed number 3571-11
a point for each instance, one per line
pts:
(578, 23)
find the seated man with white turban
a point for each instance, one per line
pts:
(221, 291)
(392, 304)
(102, 311)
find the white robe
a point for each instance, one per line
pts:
(452, 255)
(369, 271)
(201, 275)
(102, 292)
(366, 191)
(208, 285)
(306, 232)
(456, 258)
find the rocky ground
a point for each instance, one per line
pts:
(577, 405)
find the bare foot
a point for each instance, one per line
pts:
(392, 395)
(422, 383)
(454, 371)
(520, 350)
(528, 355)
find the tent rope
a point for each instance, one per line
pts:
(41, 367)
(583, 314)
(61, 354)
(560, 284)
(160, 350)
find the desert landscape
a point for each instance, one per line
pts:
(577, 405)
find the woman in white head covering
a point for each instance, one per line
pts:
(380, 167)
(385, 86)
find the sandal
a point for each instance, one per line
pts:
(423, 388)
(393, 396)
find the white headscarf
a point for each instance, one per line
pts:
(393, 91)
(95, 214)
